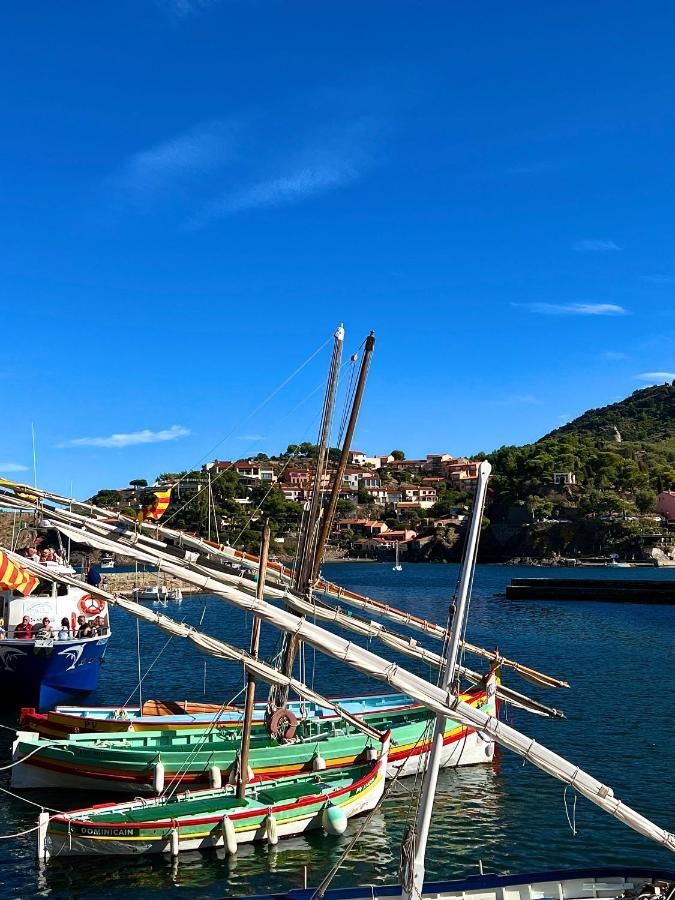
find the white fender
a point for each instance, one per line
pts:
(175, 841)
(318, 762)
(43, 822)
(333, 820)
(271, 830)
(215, 777)
(372, 753)
(158, 777)
(229, 835)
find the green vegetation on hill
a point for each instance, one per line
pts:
(647, 415)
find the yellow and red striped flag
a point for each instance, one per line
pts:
(158, 507)
(14, 578)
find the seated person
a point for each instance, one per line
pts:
(24, 629)
(44, 631)
(100, 625)
(3, 633)
(64, 630)
(84, 629)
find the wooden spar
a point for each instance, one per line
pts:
(344, 456)
(333, 591)
(412, 881)
(434, 698)
(410, 647)
(250, 676)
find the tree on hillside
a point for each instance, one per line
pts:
(138, 483)
(107, 498)
(397, 454)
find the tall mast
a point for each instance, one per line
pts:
(309, 538)
(344, 456)
(308, 541)
(412, 888)
(250, 674)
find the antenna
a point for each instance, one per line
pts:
(32, 428)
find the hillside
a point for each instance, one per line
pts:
(647, 415)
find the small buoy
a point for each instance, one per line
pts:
(271, 830)
(215, 777)
(333, 820)
(371, 753)
(229, 835)
(175, 841)
(318, 762)
(158, 777)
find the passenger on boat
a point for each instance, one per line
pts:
(94, 575)
(44, 631)
(24, 629)
(98, 626)
(64, 630)
(31, 553)
(84, 629)
(3, 633)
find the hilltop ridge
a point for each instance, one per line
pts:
(647, 414)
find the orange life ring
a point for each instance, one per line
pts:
(91, 606)
(282, 724)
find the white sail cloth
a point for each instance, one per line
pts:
(434, 698)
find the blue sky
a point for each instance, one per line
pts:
(195, 193)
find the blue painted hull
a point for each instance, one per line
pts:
(486, 884)
(44, 676)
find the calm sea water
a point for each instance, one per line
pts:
(620, 711)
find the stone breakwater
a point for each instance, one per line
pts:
(125, 582)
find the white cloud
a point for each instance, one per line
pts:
(12, 467)
(656, 377)
(574, 309)
(613, 355)
(168, 167)
(251, 437)
(329, 160)
(594, 246)
(129, 440)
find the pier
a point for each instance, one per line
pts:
(610, 590)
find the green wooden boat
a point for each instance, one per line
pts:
(148, 762)
(212, 818)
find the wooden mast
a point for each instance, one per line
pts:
(306, 552)
(250, 676)
(344, 456)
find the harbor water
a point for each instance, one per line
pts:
(619, 660)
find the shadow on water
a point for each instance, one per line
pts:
(509, 815)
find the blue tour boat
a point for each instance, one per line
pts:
(52, 665)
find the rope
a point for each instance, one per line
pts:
(573, 821)
(28, 755)
(9, 837)
(31, 802)
(257, 409)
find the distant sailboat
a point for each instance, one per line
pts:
(397, 567)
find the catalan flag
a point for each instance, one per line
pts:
(158, 507)
(14, 578)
